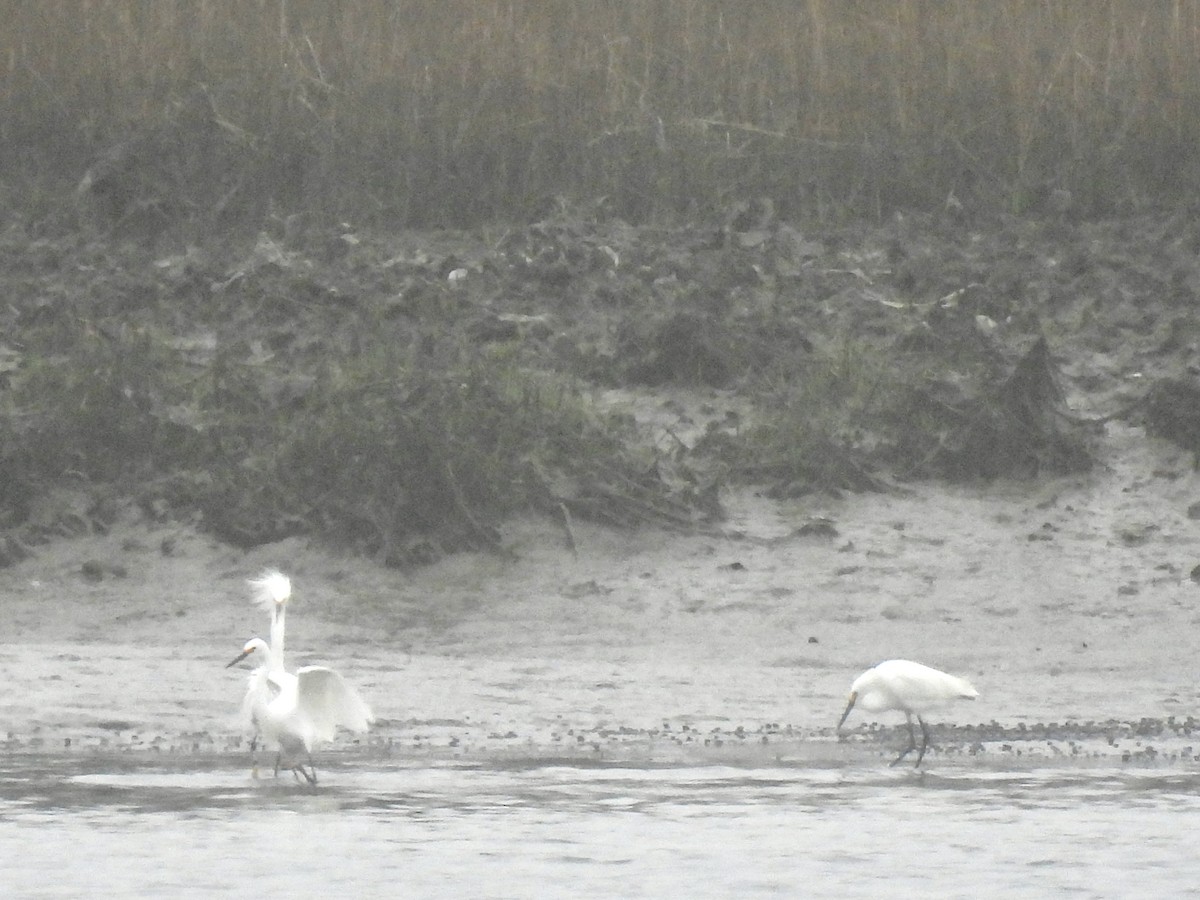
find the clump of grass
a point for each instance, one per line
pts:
(817, 427)
(395, 453)
(436, 455)
(102, 407)
(865, 407)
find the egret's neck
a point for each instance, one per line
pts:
(277, 638)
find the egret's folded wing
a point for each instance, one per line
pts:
(327, 701)
(932, 687)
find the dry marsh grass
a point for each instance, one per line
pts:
(453, 112)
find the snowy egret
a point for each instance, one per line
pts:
(271, 590)
(911, 688)
(296, 711)
(293, 711)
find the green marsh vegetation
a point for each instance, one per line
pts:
(590, 166)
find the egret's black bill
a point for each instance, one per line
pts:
(239, 658)
(846, 714)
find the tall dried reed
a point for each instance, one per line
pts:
(428, 112)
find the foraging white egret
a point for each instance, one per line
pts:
(911, 688)
(296, 711)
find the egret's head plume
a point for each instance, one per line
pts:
(271, 589)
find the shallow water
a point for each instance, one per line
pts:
(595, 831)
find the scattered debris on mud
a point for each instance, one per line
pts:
(1147, 743)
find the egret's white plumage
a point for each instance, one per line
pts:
(271, 591)
(911, 688)
(295, 712)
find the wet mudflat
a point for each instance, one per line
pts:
(531, 830)
(649, 716)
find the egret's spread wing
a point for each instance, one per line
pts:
(327, 701)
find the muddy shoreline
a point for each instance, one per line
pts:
(1067, 601)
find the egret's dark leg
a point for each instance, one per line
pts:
(254, 746)
(310, 778)
(254, 756)
(912, 741)
(313, 769)
(925, 739)
(278, 758)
